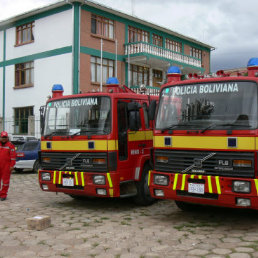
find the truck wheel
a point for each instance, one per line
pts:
(36, 166)
(143, 196)
(186, 206)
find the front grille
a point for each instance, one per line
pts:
(179, 161)
(84, 162)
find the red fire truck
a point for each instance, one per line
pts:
(97, 144)
(206, 140)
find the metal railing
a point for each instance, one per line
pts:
(149, 90)
(144, 47)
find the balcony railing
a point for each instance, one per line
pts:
(149, 90)
(144, 47)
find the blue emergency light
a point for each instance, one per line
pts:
(57, 87)
(112, 80)
(174, 70)
(252, 62)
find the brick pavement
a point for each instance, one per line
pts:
(118, 228)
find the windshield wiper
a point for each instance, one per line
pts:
(173, 126)
(209, 127)
(236, 124)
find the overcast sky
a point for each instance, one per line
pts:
(228, 25)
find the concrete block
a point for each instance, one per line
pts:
(39, 222)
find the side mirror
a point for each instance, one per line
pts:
(134, 120)
(133, 106)
(134, 115)
(42, 110)
(152, 109)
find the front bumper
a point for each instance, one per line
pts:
(217, 190)
(83, 183)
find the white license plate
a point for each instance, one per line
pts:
(68, 182)
(196, 188)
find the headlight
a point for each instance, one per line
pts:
(242, 163)
(99, 180)
(160, 180)
(45, 176)
(241, 186)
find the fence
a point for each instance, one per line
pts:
(29, 126)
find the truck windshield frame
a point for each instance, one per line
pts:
(224, 105)
(78, 116)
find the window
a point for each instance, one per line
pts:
(139, 75)
(107, 69)
(102, 26)
(24, 74)
(138, 35)
(194, 52)
(21, 116)
(173, 45)
(25, 34)
(157, 40)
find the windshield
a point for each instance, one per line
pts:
(80, 116)
(221, 105)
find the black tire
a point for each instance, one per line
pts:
(18, 170)
(143, 196)
(186, 206)
(36, 166)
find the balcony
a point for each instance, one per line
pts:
(143, 48)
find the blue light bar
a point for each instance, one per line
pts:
(252, 62)
(57, 87)
(174, 70)
(112, 80)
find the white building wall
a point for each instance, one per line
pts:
(47, 71)
(1, 46)
(51, 32)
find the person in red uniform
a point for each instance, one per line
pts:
(7, 162)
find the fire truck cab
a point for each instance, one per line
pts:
(206, 140)
(97, 143)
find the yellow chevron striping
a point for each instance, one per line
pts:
(207, 142)
(149, 177)
(218, 184)
(209, 184)
(54, 178)
(60, 177)
(175, 181)
(111, 192)
(76, 178)
(109, 180)
(82, 178)
(183, 182)
(256, 185)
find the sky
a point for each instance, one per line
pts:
(230, 26)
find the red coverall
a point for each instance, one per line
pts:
(7, 161)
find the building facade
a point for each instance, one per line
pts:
(70, 43)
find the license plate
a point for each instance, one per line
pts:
(68, 182)
(196, 188)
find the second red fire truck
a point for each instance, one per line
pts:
(206, 140)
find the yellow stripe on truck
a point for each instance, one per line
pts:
(99, 145)
(206, 142)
